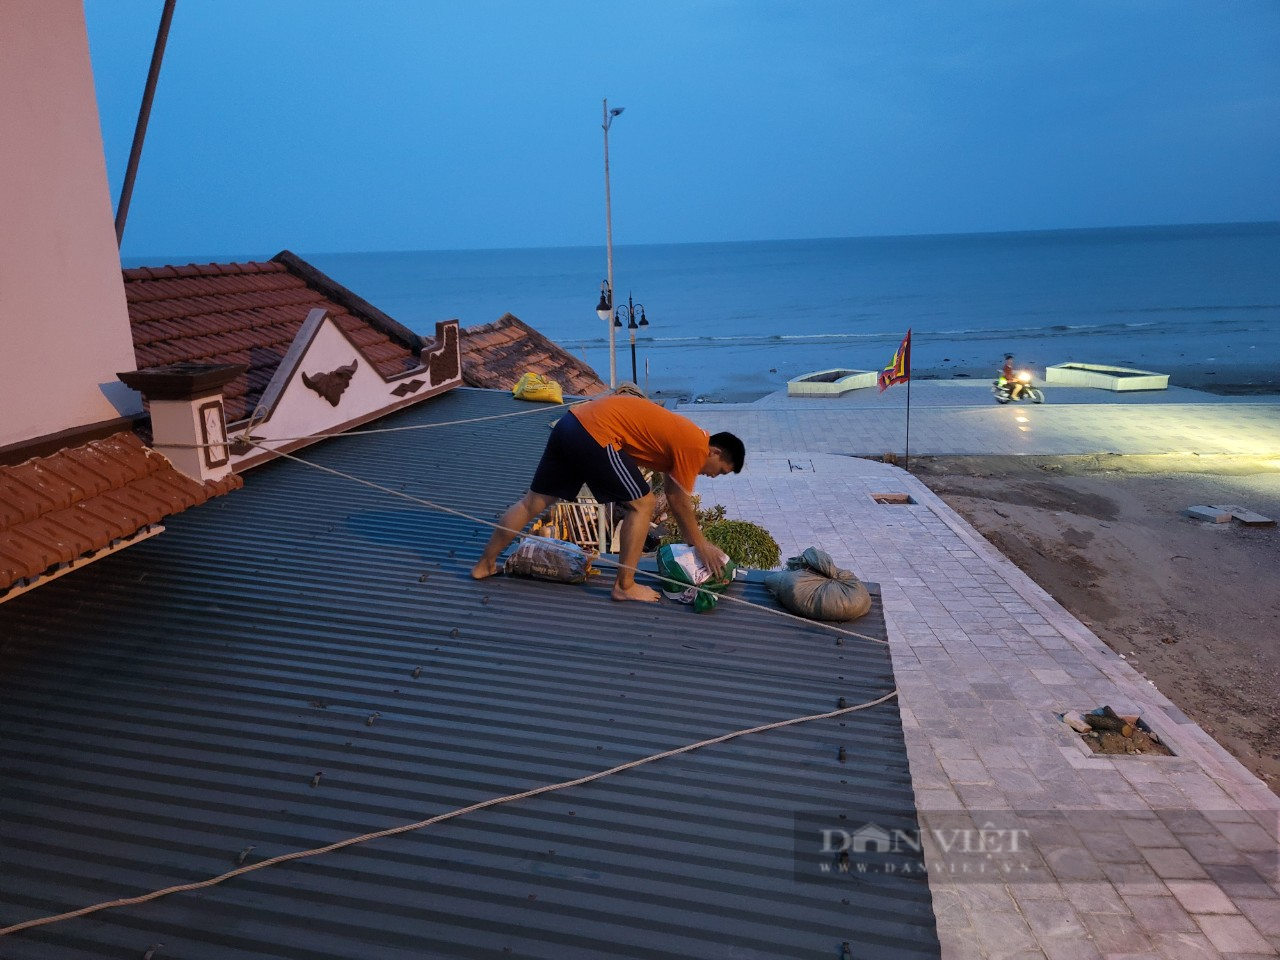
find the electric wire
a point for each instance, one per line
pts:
(777, 611)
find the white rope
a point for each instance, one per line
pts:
(603, 560)
(440, 818)
(243, 434)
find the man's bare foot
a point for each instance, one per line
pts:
(636, 591)
(485, 568)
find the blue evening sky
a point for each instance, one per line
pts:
(353, 125)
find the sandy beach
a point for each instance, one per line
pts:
(1190, 604)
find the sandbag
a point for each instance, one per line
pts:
(684, 573)
(535, 386)
(545, 558)
(815, 588)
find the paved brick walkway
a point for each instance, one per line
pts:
(1130, 857)
(960, 417)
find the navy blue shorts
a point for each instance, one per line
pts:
(573, 458)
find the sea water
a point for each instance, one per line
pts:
(732, 319)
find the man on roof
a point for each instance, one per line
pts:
(604, 443)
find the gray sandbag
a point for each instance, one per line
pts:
(813, 586)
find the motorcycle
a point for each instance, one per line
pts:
(1002, 389)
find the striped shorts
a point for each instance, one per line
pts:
(573, 457)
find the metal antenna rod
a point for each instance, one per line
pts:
(144, 114)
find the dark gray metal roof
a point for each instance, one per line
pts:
(167, 707)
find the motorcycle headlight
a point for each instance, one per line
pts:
(1024, 377)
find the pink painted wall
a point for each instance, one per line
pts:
(64, 328)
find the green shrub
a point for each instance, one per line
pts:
(708, 516)
(747, 544)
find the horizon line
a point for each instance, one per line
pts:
(228, 258)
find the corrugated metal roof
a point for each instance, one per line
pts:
(172, 705)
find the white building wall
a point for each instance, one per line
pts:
(64, 327)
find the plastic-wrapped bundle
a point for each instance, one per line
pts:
(814, 587)
(685, 572)
(545, 558)
(535, 386)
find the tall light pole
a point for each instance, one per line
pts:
(605, 310)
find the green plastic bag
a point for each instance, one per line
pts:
(684, 572)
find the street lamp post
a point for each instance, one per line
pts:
(632, 327)
(605, 310)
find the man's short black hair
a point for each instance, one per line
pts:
(732, 448)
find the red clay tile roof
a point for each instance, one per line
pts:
(250, 313)
(59, 508)
(497, 354)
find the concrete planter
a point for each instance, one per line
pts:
(830, 383)
(1104, 378)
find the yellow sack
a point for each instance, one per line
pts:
(534, 386)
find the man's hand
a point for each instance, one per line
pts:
(712, 557)
(681, 504)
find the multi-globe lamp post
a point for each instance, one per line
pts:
(605, 311)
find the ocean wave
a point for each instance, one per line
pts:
(1051, 331)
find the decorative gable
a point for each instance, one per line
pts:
(326, 384)
(315, 358)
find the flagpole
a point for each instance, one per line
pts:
(899, 369)
(906, 459)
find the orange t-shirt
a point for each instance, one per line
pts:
(651, 435)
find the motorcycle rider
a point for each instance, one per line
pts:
(1006, 376)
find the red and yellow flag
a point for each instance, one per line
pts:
(899, 368)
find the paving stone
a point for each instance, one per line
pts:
(961, 945)
(1238, 880)
(1134, 878)
(1047, 889)
(1212, 849)
(981, 797)
(1233, 934)
(1185, 946)
(937, 800)
(1161, 914)
(1189, 823)
(1262, 913)
(1070, 949)
(1053, 919)
(1149, 833)
(1174, 864)
(1249, 837)
(1094, 896)
(1111, 847)
(982, 898)
(1201, 896)
(1116, 933)
(965, 771)
(1071, 863)
(1005, 934)
(948, 748)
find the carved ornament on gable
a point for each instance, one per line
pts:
(333, 384)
